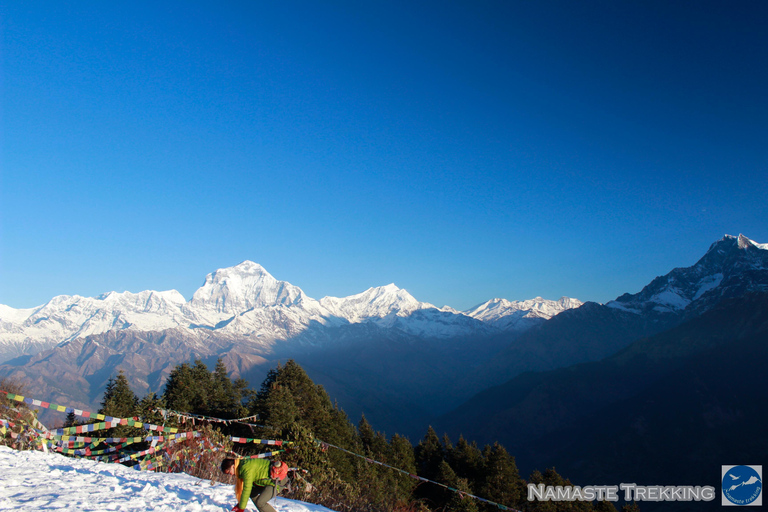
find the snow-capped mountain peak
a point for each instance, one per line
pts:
(506, 314)
(378, 302)
(746, 243)
(242, 287)
(732, 266)
(731, 243)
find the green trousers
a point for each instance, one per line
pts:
(261, 499)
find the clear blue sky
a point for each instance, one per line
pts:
(462, 150)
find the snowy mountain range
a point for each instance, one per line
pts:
(246, 303)
(381, 352)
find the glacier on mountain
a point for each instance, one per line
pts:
(708, 283)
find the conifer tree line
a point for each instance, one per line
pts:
(292, 408)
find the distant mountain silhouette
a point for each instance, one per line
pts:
(668, 409)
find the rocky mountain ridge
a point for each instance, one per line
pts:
(732, 267)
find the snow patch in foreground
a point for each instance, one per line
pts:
(32, 480)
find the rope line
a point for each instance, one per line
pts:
(420, 478)
(200, 417)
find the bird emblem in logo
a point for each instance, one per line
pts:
(742, 485)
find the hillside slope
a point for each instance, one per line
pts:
(668, 408)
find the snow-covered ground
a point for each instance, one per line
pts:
(32, 480)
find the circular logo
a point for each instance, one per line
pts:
(742, 485)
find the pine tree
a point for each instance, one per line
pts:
(447, 447)
(120, 401)
(551, 477)
(383, 484)
(454, 499)
(203, 390)
(466, 460)
(193, 389)
(501, 481)
(279, 410)
(71, 420)
(366, 433)
(429, 454)
(148, 410)
(289, 402)
(313, 458)
(403, 458)
(341, 432)
(288, 394)
(374, 443)
(223, 401)
(180, 390)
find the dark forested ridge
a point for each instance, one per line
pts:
(669, 408)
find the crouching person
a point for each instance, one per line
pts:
(257, 479)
